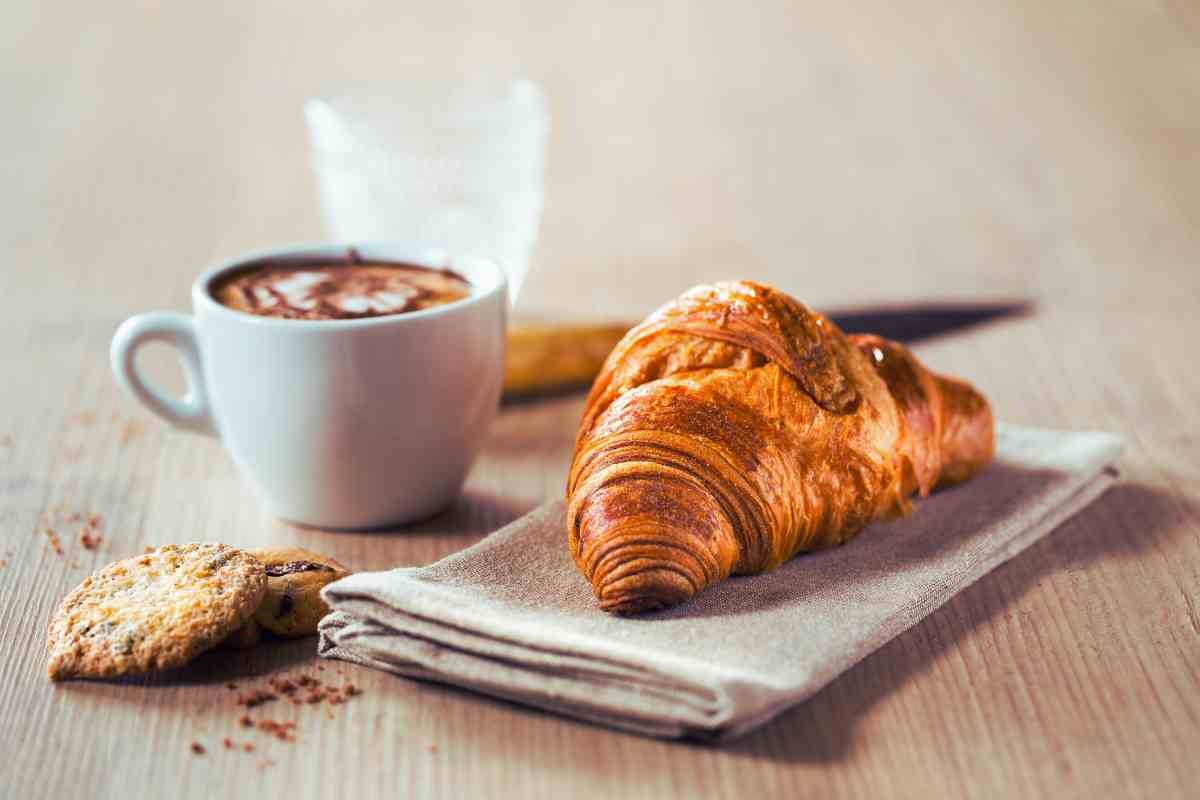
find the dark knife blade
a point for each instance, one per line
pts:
(546, 360)
(911, 323)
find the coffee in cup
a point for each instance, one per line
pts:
(350, 288)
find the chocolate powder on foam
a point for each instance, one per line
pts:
(350, 289)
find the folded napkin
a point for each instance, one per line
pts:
(513, 617)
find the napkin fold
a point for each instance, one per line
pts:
(513, 617)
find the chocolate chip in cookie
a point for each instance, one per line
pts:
(292, 605)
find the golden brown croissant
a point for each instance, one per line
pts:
(734, 428)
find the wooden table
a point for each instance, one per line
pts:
(888, 152)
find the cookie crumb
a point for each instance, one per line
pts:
(90, 536)
(256, 698)
(283, 731)
(296, 688)
(228, 743)
(198, 748)
(55, 542)
(130, 431)
(248, 747)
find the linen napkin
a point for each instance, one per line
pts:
(513, 617)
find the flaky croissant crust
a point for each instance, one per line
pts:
(734, 428)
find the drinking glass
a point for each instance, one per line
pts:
(460, 165)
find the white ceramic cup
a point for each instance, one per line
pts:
(336, 423)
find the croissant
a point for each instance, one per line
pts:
(735, 428)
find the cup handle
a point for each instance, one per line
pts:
(192, 410)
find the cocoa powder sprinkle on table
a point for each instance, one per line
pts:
(198, 748)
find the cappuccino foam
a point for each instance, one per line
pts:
(352, 289)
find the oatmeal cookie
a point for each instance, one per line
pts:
(154, 611)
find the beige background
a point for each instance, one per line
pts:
(853, 154)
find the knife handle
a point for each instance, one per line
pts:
(550, 358)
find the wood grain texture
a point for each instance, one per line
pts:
(850, 155)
